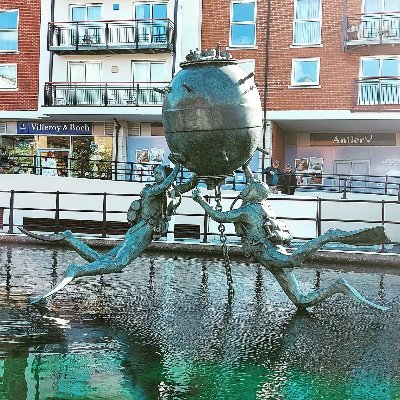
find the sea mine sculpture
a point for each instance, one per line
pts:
(213, 122)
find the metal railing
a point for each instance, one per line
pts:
(373, 28)
(143, 172)
(377, 93)
(108, 221)
(97, 94)
(119, 35)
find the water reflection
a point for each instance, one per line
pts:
(166, 328)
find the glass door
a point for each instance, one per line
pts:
(53, 162)
(90, 33)
(149, 75)
(150, 28)
(88, 72)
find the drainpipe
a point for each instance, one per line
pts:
(51, 53)
(267, 31)
(117, 126)
(174, 36)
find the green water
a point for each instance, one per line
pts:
(164, 329)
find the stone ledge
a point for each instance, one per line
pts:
(335, 259)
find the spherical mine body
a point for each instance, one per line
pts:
(212, 116)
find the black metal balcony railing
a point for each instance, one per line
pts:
(116, 36)
(377, 93)
(373, 28)
(97, 94)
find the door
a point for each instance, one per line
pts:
(151, 27)
(149, 75)
(53, 162)
(88, 73)
(357, 170)
(89, 33)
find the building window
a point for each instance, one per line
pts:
(307, 22)
(243, 23)
(8, 76)
(375, 6)
(153, 24)
(9, 30)
(247, 65)
(379, 80)
(305, 72)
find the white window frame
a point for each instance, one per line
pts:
(254, 22)
(11, 30)
(319, 43)
(248, 61)
(16, 77)
(84, 62)
(381, 10)
(83, 5)
(306, 84)
(151, 3)
(380, 58)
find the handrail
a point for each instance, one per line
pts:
(107, 225)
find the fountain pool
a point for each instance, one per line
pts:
(164, 329)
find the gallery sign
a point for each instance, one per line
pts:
(353, 139)
(54, 128)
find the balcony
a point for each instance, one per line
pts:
(376, 94)
(95, 94)
(102, 37)
(372, 29)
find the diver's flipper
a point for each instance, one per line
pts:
(55, 237)
(64, 282)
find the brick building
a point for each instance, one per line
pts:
(332, 74)
(19, 56)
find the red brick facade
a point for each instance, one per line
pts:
(338, 68)
(27, 57)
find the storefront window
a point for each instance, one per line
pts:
(16, 154)
(91, 157)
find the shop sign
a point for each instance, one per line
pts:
(54, 128)
(353, 139)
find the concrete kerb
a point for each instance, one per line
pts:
(332, 259)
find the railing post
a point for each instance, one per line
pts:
(106, 34)
(116, 169)
(11, 216)
(383, 224)
(398, 194)
(76, 36)
(131, 171)
(386, 184)
(319, 217)
(57, 213)
(137, 95)
(205, 222)
(345, 189)
(106, 95)
(104, 222)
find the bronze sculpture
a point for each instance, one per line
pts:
(149, 218)
(212, 119)
(262, 237)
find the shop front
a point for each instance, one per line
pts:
(322, 158)
(58, 149)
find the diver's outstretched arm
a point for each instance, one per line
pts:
(218, 216)
(68, 238)
(288, 282)
(367, 236)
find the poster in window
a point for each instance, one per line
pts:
(142, 156)
(315, 168)
(156, 155)
(301, 165)
(301, 171)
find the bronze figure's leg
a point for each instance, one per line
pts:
(367, 236)
(136, 241)
(288, 282)
(67, 237)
